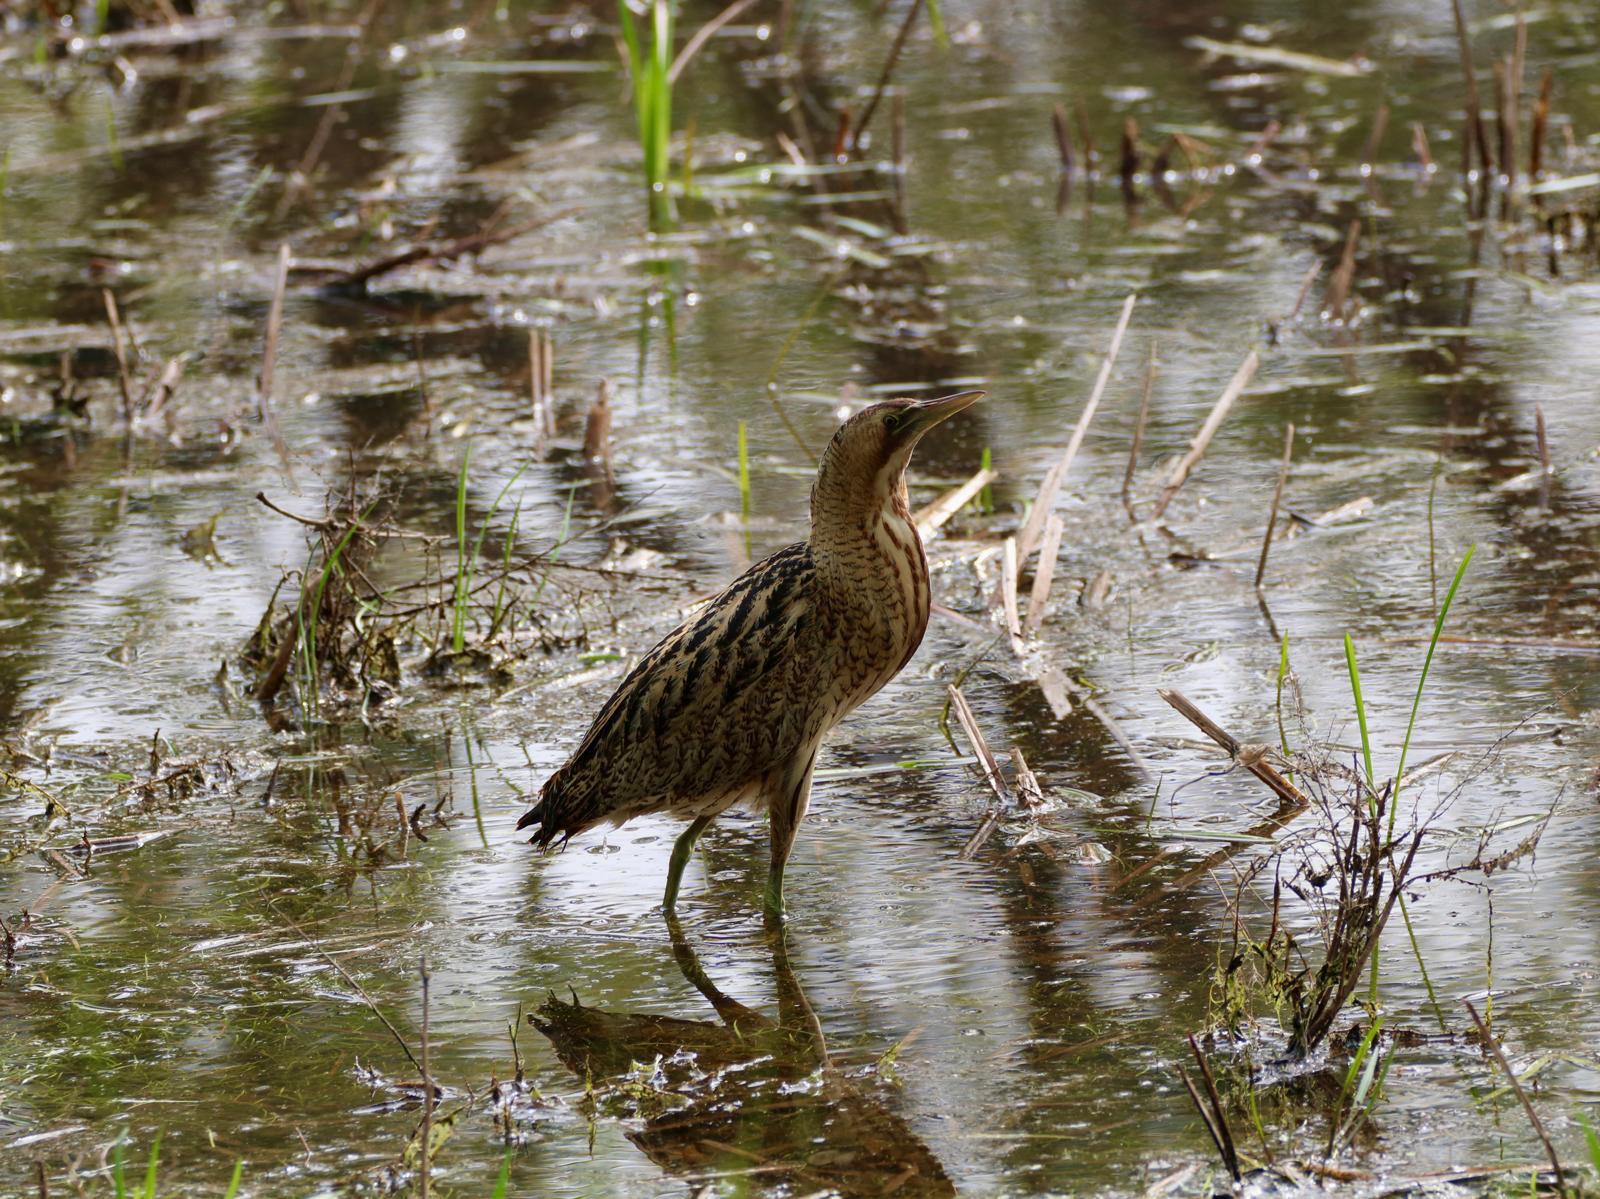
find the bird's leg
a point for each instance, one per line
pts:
(681, 849)
(785, 812)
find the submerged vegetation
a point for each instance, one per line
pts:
(357, 436)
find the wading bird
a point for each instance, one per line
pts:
(733, 704)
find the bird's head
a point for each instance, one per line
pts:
(864, 466)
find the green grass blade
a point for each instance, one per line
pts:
(1361, 714)
(936, 23)
(233, 1183)
(149, 1191)
(117, 1179)
(1592, 1139)
(1422, 682)
(504, 1180)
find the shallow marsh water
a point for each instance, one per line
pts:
(1032, 1002)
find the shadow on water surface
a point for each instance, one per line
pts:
(753, 1098)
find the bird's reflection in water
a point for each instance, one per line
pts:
(752, 1100)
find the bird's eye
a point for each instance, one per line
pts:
(891, 421)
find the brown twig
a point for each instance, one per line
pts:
(1539, 433)
(1344, 275)
(1202, 439)
(990, 767)
(1256, 764)
(853, 139)
(269, 356)
(1053, 478)
(1277, 498)
(1522, 1096)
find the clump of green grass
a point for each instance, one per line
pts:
(649, 66)
(147, 1188)
(467, 556)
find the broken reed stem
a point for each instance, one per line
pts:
(597, 428)
(852, 141)
(1544, 442)
(936, 514)
(1254, 763)
(1180, 472)
(1089, 156)
(1058, 122)
(1312, 272)
(1053, 478)
(119, 343)
(1474, 116)
(991, 771)
(1138, 428)
(1223, 1134)
(1505, 133)
(1344, 274)
(427, 1085)
(1516, 69)
(1044, 573)
(1011, 567)
(1541, 119)
(1128, 166)
(1522, 1096)
(1277, 498)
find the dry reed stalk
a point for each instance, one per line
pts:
(541, 420)
(852, 138)
(1474, 115)
(1054, 477)
(1541, 120)
(1419, 145)
(1138, 428)
(1505, 132)
(1369, 153)
(1058, 122)
(990, 768)
(702, 36)
(1197, 448)
(119, 343)
(269, 355)
(1517, 71)
(1311, 274)
(1263, 140)
(897, 111)
(1277, 498)
(1217, 1119)
(1090, 157)
(1255, 763)
(1544, 442)
(427, 1086)
(1522, 1096)
(1010, 568)
(936, 514)
(597, 428)
(1044, 573)
(1344, 274)
(1128, 165)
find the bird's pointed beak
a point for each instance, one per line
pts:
(928, 413)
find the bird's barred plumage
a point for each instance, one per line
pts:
(732, 705)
